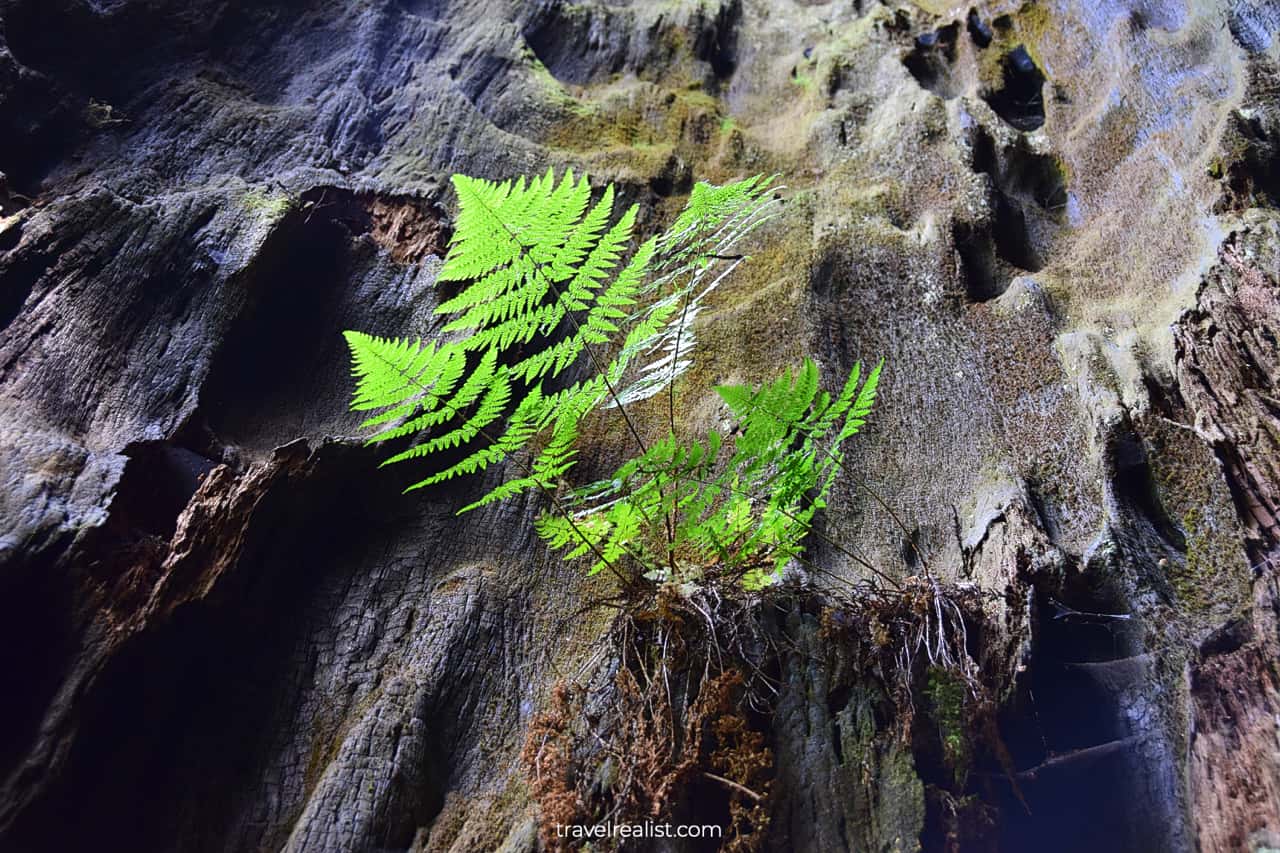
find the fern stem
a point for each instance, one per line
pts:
(671, 390)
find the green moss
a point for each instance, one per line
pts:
(636, 118)
(935, 7)
(1029, 27)
(269, 206)
(1034, 20)
(1207, 585)
(1211, 585)
(946, 694)
(900, 794)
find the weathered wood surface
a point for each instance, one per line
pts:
(222, 628)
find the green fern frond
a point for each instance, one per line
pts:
(862, 405)
(546, 285)
(752, 510)
(692, 258)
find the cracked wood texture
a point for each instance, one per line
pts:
(224, 629)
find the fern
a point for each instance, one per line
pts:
(550, 291)
(548, 287)
(692, 256)
(747, 513)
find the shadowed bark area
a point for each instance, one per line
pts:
(224, 626)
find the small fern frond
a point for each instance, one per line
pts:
(862, 405)
(693, 258)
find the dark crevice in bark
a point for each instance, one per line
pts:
(157, 484)
(178, 721)
(1135, 486)
(1026, 205)
(930, 60)
(1067, 733)
(271, 358)
(1019, 97)
(38, 646)
(19, 280)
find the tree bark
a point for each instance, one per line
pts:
(225, 628)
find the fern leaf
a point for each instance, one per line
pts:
(862, 405)
(521, 428)
(690, 260)
(477, 383)
(398, 376)
(584, 236)
(491, 408)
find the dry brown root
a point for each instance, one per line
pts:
(682, 706)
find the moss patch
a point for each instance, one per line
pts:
(946, 695)
(270, 206)
(1212, 585)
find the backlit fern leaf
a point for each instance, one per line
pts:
(492, 406)
(477, 383)
(522, 426)
(546, 285)
(399, 377)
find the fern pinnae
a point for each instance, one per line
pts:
(532, 481)
(733, 206)
(688, 314)
(370, 356)
(862, 405)
(490, 408)
(602, 258)
(500, 301)
(400, 377)
(596, 327)
(493, 279)
(476, 383)
(480, 244)
(837, 407)
(584, 236)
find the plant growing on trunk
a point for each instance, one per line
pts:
(682, 508)
(558, 318)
